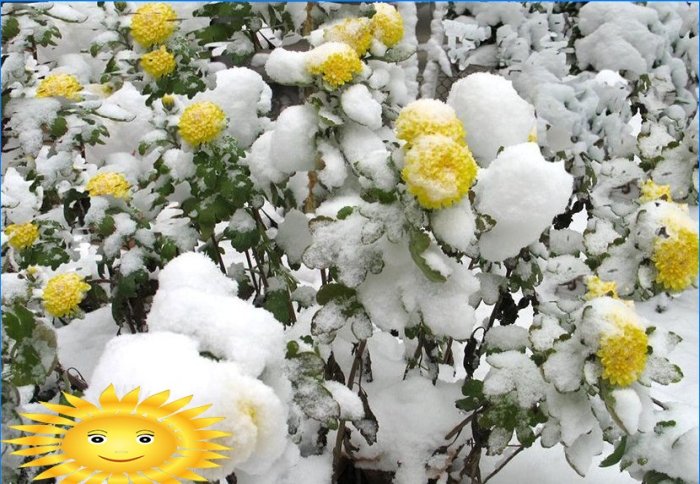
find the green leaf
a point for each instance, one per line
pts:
(419, 243)
(334, 291)
(19, 323)
(525, 435)
(10, 28)
(617, 454)
(59, 127)
(277, 302)
(242, 241)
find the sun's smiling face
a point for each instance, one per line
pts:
(126, 443)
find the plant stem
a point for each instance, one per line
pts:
(218, 254)
(252, 274)
(341, 428)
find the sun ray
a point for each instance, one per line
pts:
(98, 478)
(29, 451)
(79, 476)
(191, 413)
(47, 418)
(79, 403)
(39, 429)
(158, 475)
(47, 460)
(33, 440)
(155, 401)
(201, 423)
(176, 405)
(118, 479)
(202, 454)
(57, 471)
(131, 399)
(210, 434)
(64, 409)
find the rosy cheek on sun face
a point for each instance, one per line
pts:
(123, 443)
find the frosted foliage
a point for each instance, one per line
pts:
(341, 244)
(287, 67)
(401, 293)
(252, 413)
(13, 288)
(350, 404)
(522, 192)
(359, 105)
(455, 225)
(294, 236)
(292, 146)
(263, 170)
(506, 338)
(672, 450)
(124, 136)
(196, 299)
(19, 203)
(493, 114)
(334, 170)
(513, 371)
(365, 150)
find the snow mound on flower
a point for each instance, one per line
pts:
(493, 114)
(522, 192)
(253, 414)
(243, 95)
(196, 299)
(287, 67)
(292, 147)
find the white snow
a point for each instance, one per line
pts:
(359, 105)
(292, 145)
(522, 192)
(493, 114)
(455, 225)
(288, 67)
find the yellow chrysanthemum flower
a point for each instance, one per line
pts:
(600, 288)
(356, 32)
(675, 257)
(201, 122)
(168, 101)
(63, 293)
(60, 85)
(623, 352)
(438, 171)
(336, 62)
(651, 191)
(387, 24)
(108, 183)
(22, 235)
(158, 63)
(428, 116)
(153, 23)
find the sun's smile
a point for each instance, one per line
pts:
(166, 438)
(119, 460)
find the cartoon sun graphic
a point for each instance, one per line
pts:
(121, 441)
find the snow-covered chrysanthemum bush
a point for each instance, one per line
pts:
(377, 259)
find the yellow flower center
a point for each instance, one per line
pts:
(153, 23)
(600, 288)
(60, 85)
(428, 116)
(387, 24)
(651, 191)
(22, 235)
(356, 32)
(201, 122)
(63, 293)
(623, 352)
(168, 101)
(438, 171)
(676, 257)
(158, 63)
(108, 183)
(337, 63)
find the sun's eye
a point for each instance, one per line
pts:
(97, 439)
(144, 439)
